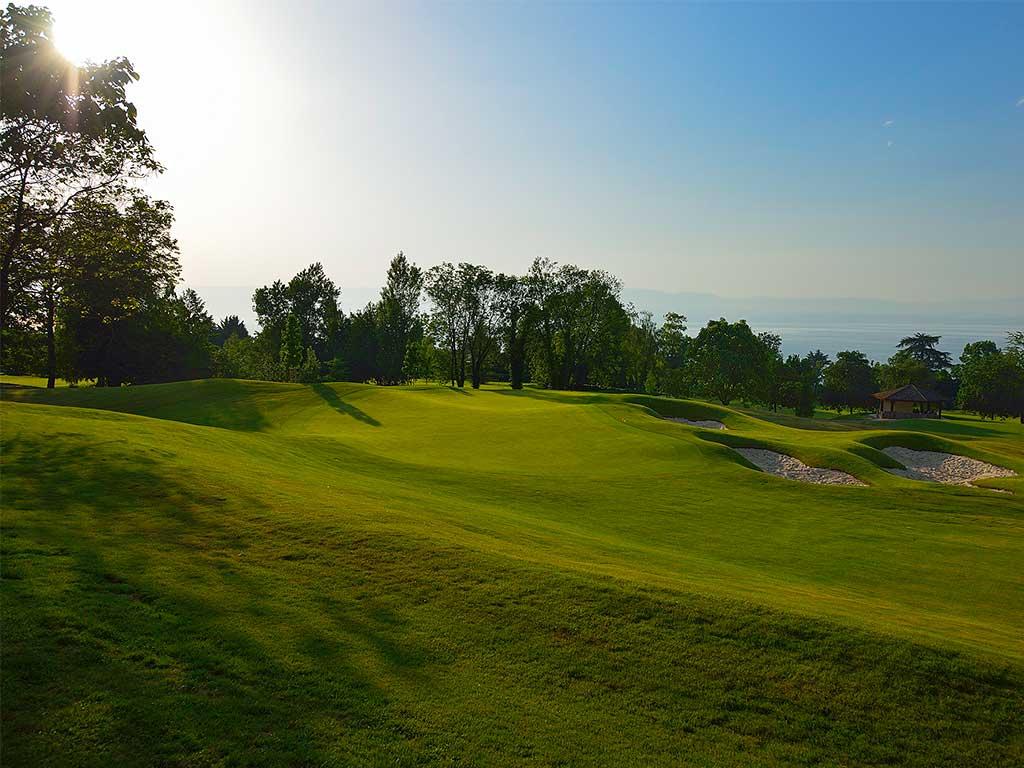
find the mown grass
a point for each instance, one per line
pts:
(242, 573)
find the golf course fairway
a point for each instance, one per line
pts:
(238, 573)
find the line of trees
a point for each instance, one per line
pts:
(564, 327)
(89, 269)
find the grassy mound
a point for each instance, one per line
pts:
(242, 573)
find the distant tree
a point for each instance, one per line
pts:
(482, 318)
(768, 382)
(577, 318)
(725, 358)
(991, 382)
(850, 381)
(921, 347)
(312, 298)
(903, 368)
(118, 309)
(640, 352)
(361, 345)
(673, 375)
(815, 364)
(310, 370)
(512, 307)
(1015, 351)
(398, 320)
(226, 328)
(449, 320)
(799, 383)
(543, 286)
(291, 344)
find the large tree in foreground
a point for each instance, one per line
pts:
(65, 131)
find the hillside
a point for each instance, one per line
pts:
(233, 572)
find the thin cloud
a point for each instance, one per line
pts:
(1020, 101)
(890, 123)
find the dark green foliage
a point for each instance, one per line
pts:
(226, 328)
(312, 299)
(850, 382)
(991, 382)
(65, 131)
(921, 347)
(291, 343)
(398, 321)
(726, 356)
(903, 368)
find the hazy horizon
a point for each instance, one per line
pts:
(822, 150)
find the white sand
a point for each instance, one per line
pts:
(706, 424)
(948, 468)
(794, 469)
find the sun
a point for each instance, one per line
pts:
(88, 32)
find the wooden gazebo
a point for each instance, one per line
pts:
(909, 402)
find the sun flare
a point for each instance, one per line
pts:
(84, 34)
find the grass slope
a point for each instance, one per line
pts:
(246, 573)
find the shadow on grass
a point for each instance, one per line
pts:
(951, 426)
(143, 626)
(459, 390)
(221, 403)
(329, 396)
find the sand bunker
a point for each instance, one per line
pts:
(794, 469)
(706, 424)
(948, 468)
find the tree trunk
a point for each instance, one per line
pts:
(516, 366)
(51, 347)
(8, 255)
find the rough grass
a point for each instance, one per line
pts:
(242, 573)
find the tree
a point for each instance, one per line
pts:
(312, 298)
(291, 344)
(398, 317)
(361, 345)
(725, 358)
(673, 374)
(578, 320)
(798, 387)
(479, 304)
(991, 382)
(449, 319)
(766, 385)
(310, 369)
(921, 347)
(849, 381)
(65, 131)
(640, 352)
(226, 328)
(903, 368)
(117, 308)
(512, 306)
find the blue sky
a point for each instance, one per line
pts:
(822, 150)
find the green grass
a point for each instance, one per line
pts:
(10, 380)
(246, 573)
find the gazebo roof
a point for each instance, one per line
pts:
(910, 393)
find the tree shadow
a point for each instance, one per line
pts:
(460, 390)
(156, 623)
(329, 396)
